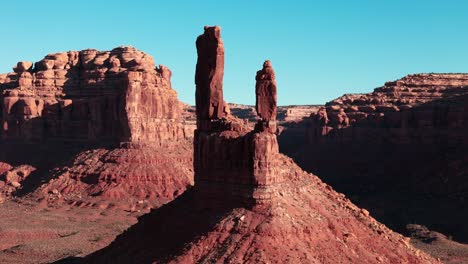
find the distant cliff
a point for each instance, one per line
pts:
(408, 137)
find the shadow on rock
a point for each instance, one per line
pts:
(409, 167)
(160, 234)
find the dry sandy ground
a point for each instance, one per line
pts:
(31, 234)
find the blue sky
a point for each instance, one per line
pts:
(319, 49)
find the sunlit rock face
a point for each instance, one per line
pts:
(96, 126)
(90, 95)
(209, 75)
(232, 162)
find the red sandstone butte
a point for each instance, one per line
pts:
(96, 124)
(251, 204)
(90, 95)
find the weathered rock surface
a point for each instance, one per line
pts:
(140, 176)
(414, 102)
(97, 125)
(90, 95)
(231, 162)
(265, 98)
(250, 204)
(407, 137)
(209, 75)
(11, 180)
(4, 167)
(265, 91)
(306, 222)
(89, 141)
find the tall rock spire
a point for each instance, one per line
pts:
(232, 163)
(265, 91)
(209, 75)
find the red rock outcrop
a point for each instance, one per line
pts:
(209, 75)
(11, 180)
(90, 95)
(422, 101)
(250, 204)
(230, 161)
(407, 137)
(304, 222)
(97, 125)
(4, 167)
(265, 91)
(137, 176)
(265, 98)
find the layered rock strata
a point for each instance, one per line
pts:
(267, 210)
(209, 75)
(407, 137)
(423, 113)
(304, 222)
(90, 95)
(409, 107)
(97, 125)
(231, 161)
(265, 91)
(137, 177)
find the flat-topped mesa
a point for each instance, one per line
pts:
(209, 77)
(232, 164)
(265, 104)
(90, 95)
(431, 79)
(417, 108)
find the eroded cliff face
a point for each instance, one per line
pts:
(94, 125)
(421, 117)
(422, 103)
(407, 137)
(90, 95)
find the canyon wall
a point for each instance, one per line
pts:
(420, 115)
(408, 137)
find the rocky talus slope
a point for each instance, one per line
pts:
(93, 124)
